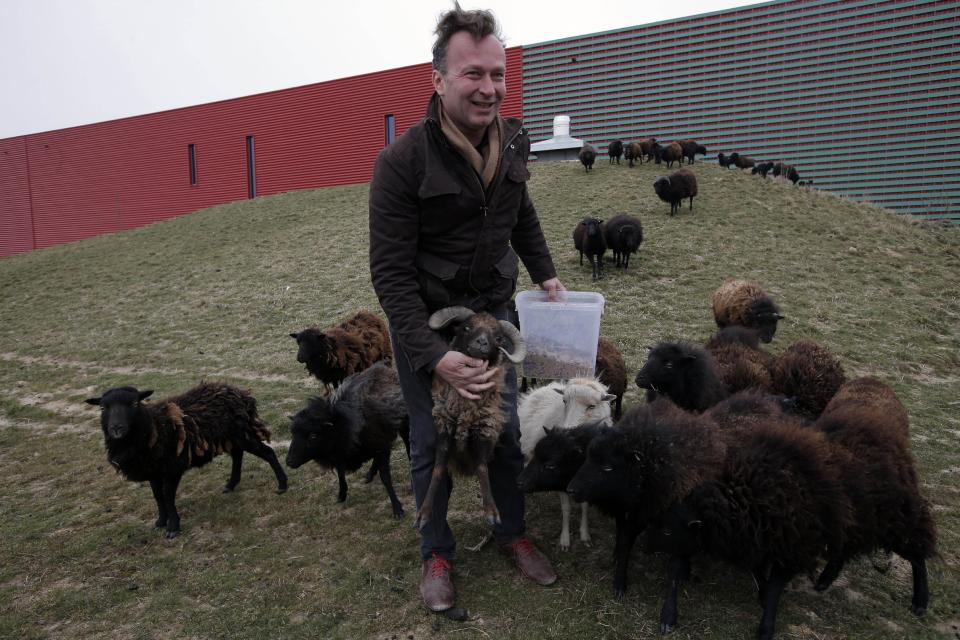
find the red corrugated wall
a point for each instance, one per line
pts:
(75, 183)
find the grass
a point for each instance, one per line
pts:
(213, 295)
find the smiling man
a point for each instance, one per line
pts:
(450, 219)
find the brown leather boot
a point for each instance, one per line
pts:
(531, 562)
(436, 588)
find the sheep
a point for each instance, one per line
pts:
(741, 162)
(564, 406)
(611, 370)
(633, 151)
(588, 239)
(615, 150)
(809, 373)
(345, 349)
(684, 373)
(587, 155)
(690, 148)
(868, 428)
(552, 463)
(646, 148)
(468, 430)
(787, 171)
(762, 168)
(746, 304)
(358, 422)
(623, 234)
(636, 470)
(740, 361)
(724, 160)
(158, 442)
(774, 506)
(673, 189)
(671, 153)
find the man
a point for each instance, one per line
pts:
(449, 216)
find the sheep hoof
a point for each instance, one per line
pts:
(665, 628)
(398, 513)
(281, 490)
(918, 610)
(160, 523)
(170, 535)
(227, 489)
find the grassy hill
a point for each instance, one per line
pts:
(213, 295)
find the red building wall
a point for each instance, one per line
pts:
(75, 183)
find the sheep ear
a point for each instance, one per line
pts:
(695, 524)
(294, 335)
(93, 401)
(688, 357)
(560, 391)
(608, 398)
(289, 417)
(780, 316)
(546, 430)
(327, 425)
(146, 394)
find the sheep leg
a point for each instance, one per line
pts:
(237, 463)
(829, 574)
(584, 528)
(626, 536)
(564, 521)
(678, 570)
(342, 481)
(490, 511)
(265, 452)
(169, 488)
(157, 487)
(382, 462)
(425, 511)
(771, 601)
(371, 472)
(921, 590)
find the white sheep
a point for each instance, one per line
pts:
(565, 405)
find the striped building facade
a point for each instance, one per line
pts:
(863, 97)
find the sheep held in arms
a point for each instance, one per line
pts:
(158, 442)
(468, 430)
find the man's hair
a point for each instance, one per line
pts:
(478, 23)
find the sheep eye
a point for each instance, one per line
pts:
(550, 467)
(591, 407)
(607, 468)
(313, 436)
(666, 533)
(668, 365)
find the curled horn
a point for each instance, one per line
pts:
(519, 346)
(442, 317)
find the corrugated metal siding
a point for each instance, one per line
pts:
(16, 219)
(860, 95)
(125, 173)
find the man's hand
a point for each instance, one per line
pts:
(469, 376)
(552, 286)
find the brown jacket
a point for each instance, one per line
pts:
(437, 238)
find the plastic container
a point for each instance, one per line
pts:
(561, 336)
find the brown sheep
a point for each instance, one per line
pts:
(611, 370)
(674, 188)
(741, 162)
(348, 348)
(808, 373)
(646, 148)
(633, 151)
(740, 361)
(745, 304)
(468, 430)
(690, 149)
(671, 153)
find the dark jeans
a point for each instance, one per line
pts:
(506, 465)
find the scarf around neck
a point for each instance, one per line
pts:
(484, 164)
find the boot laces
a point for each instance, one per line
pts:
(523, 546)
(439, 567)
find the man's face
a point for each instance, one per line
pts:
(474, 85)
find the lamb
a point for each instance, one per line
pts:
(587, 155)
(671, 153)
(776, 504)
(809, 373)
(690, 149)
(468, 430)
(588, 239)
(615, 150)
(684, 373)
(762, 168)
(741, 162)
(553, 462)
(358, 422)
(673, 189)
(868, 428)
(633, 151)
(158, 442)
(348, 348)
(564, 406)
(623, 234)
(635, 471)
(746, 304)
(740, 361)
(611, 370)
(724, 160)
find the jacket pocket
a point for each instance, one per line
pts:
(438, 184)
(436, 277)
(518, 172)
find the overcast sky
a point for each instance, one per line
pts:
(70, 62)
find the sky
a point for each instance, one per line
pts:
(71, 62)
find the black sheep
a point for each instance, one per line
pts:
(762, 169)
(636, 470)
(615, 150)
(723, 160)
(623, 234)
(684, 373)
(868, 428)
(587, 155)
(776, 505)
(158, 442)
(673, 189)
(358, 422)
(690, 149)
(348, 348)
(588, 239)
(741, 162)
(787, 171)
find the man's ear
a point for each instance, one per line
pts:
(438, 82)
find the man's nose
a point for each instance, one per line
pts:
(487, 86)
